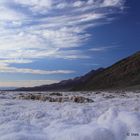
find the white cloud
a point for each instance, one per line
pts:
(16, 61)
(99, 49)
(104, 48)
(7, 14)
(116, 3)
(62, 5)
(36, 5)
(5, 68)
(43, 28)
(78, 3)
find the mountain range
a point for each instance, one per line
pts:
(121, 75)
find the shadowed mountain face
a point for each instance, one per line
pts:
(123, 74)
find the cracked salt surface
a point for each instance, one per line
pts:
(112, 116)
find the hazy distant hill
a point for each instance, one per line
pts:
(123, 74)
(65, 85)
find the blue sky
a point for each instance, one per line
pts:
(45, 41)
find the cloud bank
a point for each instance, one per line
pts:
(38, 29)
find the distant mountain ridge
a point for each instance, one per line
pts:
(65, 85)
(123, 74)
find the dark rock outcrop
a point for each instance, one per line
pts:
(55, 98)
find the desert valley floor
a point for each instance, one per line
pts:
(91, 116)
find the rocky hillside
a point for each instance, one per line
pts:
(123, 74)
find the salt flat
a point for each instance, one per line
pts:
(112, 116)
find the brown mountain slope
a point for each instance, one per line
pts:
(123, 74)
